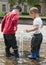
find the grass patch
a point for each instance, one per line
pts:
(2, 14)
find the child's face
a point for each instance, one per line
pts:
(32, 14)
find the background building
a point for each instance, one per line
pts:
(5, 7)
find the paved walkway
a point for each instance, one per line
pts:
(23, 28)
(26, 47)
(13, 61)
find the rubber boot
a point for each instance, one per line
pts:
(16, 54)
(8, 54)
(37, 53)
(32, 56)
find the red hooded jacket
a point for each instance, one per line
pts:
(9, 22)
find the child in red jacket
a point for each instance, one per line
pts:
(8, 24)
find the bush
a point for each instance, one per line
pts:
(23, 13)
(2, 14)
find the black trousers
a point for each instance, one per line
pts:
(10, 41)
(36, 42)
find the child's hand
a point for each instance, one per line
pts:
(27, 31)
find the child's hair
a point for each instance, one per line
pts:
(34, 9)
(18, 7)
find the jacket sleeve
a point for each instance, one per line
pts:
(15, 20)
(3, 23)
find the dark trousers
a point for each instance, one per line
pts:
(10, 41)
(36, 42)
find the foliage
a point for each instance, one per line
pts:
(23, 13)
(29, 2)
(11, 2)
(2, 14)
(21, 1)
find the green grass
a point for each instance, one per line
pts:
(2, 14)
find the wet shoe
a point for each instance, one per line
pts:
(16, 55)
(8, 54)
(37, 53)
(32, 56)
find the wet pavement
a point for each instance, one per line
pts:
(23, 28)
(13, 61)
(26, 39)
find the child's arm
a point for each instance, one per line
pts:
(15, 28)
(3, 23)
(15, 22)
(33, 29)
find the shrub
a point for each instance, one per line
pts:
(2, 14)
(23, 13)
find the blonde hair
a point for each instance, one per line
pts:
(34, 9)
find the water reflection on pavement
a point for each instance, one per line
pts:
(13, 61)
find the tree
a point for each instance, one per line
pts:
(21, 1)
(29, 2)
(12, 3)
(33, 2)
